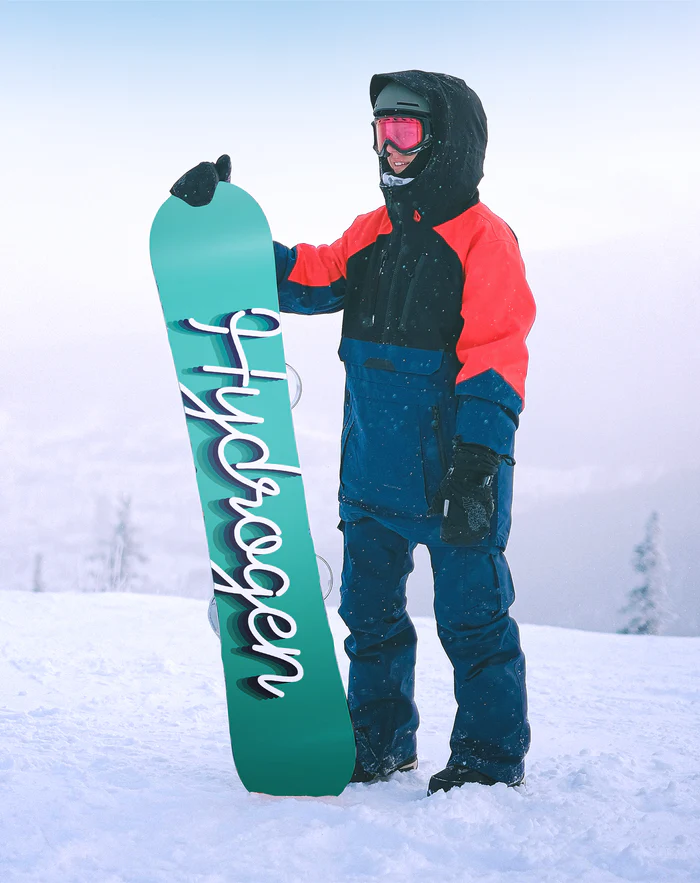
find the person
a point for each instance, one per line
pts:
(436, 311)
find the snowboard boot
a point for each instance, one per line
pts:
(456, 776)
(360, 774)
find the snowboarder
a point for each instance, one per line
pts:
(436, 312)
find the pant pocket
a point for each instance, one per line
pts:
(504, 580)
(503, 498)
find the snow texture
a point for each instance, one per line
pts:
(115, 764)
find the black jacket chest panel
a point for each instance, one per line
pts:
(406, 290)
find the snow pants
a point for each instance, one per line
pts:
(473, 591)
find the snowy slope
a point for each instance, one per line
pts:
(115, 765)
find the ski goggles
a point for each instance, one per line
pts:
(406, 134)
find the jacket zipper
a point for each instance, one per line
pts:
(435, 409)
(389, 298)
(385, 255)
(409, 293)
(375, 290)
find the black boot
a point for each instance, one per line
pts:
(360, 774)
(456, 776)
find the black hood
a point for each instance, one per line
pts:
(449, 183)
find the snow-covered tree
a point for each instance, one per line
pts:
(648, 609)
(124, 552)
(37, 576)
(114, 567)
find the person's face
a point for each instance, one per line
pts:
(397, 160)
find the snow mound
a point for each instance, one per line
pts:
(115, 763)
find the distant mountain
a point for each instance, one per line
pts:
(571, 559)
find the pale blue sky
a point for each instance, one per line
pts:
(594, 126)
(585, 101)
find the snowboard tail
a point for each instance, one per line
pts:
(288, 717)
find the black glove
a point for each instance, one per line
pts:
(197, 186)
(465, 496)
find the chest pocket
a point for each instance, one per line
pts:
(389, 457)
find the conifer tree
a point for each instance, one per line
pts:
(124, 552)
(37, 577)
(647, 608)
(114, 566)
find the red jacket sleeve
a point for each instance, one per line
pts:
(311, 279)
(498, 311)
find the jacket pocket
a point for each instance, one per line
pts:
(390, 455)
(396, 365)
(382, 457)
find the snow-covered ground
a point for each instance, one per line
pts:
(115, 764)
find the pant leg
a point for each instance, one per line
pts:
(381, 645)
(473, 591)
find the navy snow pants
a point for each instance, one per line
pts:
(473, 591)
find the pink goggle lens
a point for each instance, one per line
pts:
(405, 133)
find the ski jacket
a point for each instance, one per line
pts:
(436, 312)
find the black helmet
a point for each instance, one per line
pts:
(397, 99)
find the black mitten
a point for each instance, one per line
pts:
(465, 496)
(197, 186)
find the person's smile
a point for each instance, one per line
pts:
(397, 160)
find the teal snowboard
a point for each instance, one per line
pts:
(288, 716)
